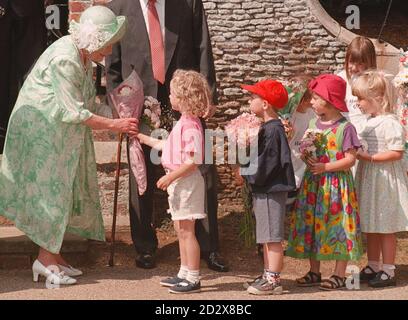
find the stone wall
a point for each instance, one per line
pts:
(257, 39)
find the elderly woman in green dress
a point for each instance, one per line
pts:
(48, 180)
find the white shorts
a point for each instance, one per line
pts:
(186, 197)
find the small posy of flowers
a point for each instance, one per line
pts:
(288, 125)
(401, 79)
(151, 113)
(312, 140)
(243, 130)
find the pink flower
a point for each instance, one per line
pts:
(244, 129)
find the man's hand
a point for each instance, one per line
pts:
(165, 181)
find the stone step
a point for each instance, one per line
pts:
(18, 251)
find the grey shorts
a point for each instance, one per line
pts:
(270, 211)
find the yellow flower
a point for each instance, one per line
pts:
(309, 217)
(331, 144)
(300, 249)
(319, 225)
(335, 221)
(350, 226)
(325, 249)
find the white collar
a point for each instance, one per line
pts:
(159, 2)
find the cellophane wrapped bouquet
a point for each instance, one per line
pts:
(128, 100)
(243, 133)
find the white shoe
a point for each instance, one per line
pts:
(51, 273)
(70, 271)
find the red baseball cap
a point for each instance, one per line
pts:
(331, 88)
(271, 90)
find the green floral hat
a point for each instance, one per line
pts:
(296, 90)
(98, 28)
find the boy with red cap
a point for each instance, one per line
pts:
(325, 223)
(271, 182)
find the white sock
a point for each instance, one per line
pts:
(264, 274)
(183, 272)
(389, 269)
(193, 276)
(375, 265)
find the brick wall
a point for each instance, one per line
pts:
(257, 39)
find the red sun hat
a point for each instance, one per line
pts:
(331, 88)
(270, 90)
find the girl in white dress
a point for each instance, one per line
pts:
(381, 181)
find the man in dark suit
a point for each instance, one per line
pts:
(186, 45)
(22, 40)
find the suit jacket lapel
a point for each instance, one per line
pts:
(172, 24)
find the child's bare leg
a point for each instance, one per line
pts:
(340, 269)
(315, 266)
(265, 256)
(373, 252)
(274, 261)
(389, 248)
(192, 249)
(182, 274)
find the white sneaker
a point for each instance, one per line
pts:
(52, 274)
(70, 271)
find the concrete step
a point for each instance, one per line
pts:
(17, 251)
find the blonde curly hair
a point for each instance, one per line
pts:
(191, 90)
(375, 85)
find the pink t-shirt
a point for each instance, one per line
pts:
(187, 136)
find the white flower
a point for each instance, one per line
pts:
(147, 112)
(154, 118)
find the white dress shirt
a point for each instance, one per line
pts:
(160, 5)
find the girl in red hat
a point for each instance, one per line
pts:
(324, 224)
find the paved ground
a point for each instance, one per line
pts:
(132, 283)
(125, 281)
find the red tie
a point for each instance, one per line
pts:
(156, 42)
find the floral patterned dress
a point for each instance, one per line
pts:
(48, 177)
(324, 224)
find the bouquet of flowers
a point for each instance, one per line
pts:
(151, 113)
(243, 130)
(128, 100)
(312, 140)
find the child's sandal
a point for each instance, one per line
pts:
(333, 283)
(310, 279)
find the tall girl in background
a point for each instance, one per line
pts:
(381, 180)
(360, 56)
(324, 224)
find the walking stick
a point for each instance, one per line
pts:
(115, 200)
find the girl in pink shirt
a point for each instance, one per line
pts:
(182, 152)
